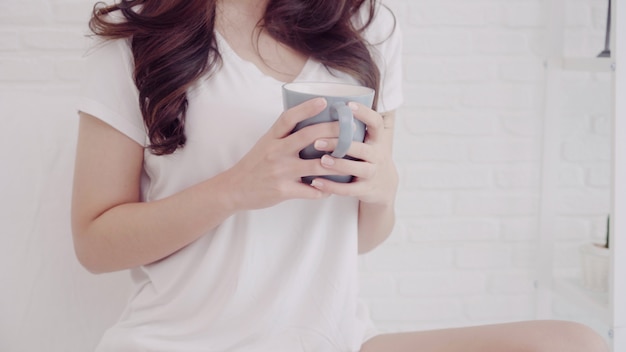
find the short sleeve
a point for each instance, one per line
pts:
(108, 91)
(385, 37)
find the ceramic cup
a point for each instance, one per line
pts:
(337, 96)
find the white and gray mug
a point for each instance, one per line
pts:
(337, 95)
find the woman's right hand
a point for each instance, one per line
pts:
(271, 171)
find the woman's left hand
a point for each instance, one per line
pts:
(376, 177)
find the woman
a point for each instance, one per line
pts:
(187, 174)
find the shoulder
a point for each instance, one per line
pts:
(110, 55)
(384, 37)
(382, 26)
(110, 48)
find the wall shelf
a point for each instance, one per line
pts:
(582, 64)
(593, 64)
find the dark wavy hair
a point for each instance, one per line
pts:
(173, 45)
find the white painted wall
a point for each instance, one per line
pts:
(467, 147)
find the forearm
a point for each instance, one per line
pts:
(376, 221)
(376, 177)
(134, 234)
(113, 230)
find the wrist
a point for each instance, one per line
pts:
(385, 197)
(227, 193)
(378, 207)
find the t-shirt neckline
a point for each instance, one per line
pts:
(225, 48)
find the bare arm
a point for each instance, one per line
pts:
(113, 230)
(376, 220)
(377, 178)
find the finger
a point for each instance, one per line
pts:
(325, 144)
(372, 119)
(290, 117)
(361, 151)
(360, 169)
(352, 189)
(303, 191)
(312, 167)
(308, 135)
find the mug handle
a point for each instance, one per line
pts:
(341, 112)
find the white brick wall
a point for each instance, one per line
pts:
(469, 152)
(468, 149)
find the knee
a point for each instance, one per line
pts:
(573, 337)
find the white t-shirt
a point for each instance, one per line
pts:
(277, 279)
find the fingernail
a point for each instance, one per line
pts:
(328, 160)
(320, 102)
(353, 106)
(320, 144)
(317, 184)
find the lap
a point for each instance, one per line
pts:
(529, 336)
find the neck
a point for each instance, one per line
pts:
(249, 9)
(239, 15)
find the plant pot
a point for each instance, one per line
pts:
(594, 260)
